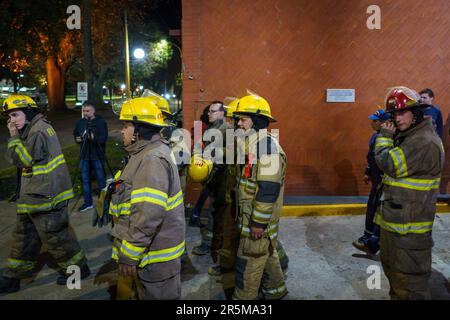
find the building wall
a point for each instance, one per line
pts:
(291, 51)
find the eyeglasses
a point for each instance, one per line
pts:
(213, 111)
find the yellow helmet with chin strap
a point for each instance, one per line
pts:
(142, 110)
(254, 105)
(18, 101)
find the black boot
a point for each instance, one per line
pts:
(9, 285)
(85, 272)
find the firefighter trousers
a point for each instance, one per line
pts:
(258, 266)
(406, 262)
(167, 289)
(51, 228)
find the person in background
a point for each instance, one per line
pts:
(91, 132)
(369, 241)
(431, 111)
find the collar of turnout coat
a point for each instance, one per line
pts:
(142, 144)
(36, 118)
(424, 125)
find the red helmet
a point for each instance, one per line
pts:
(401, 98)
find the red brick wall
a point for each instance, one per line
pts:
(291, 51)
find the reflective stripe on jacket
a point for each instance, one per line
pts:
(148, 208)
(45, 175)
(412, 162)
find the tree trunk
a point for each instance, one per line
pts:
(55, 85)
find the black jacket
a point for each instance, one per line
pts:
(92, 149)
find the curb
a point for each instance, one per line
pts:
(337, 210)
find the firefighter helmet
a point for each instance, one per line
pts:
(231, 108)
(18, 101)
(199, 169)
(160, 101)
(401, 98)
(142, 110)
(254, 105)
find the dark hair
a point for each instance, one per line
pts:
(88, 103)
(146, 132)
(259, 122)
(204, 117)
(427, 91)
(30, 113)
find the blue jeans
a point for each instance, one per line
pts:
(97, 167)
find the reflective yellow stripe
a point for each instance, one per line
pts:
(398, 157)
(400, 228)
(175, 201)
(384, 142)
(149, 195)
(117, 175)
(21, 151)
(23, 154)
(49, 167)
(131, 251)
(119, 209)
(28, 208)
(13, 143)
(162, 255)
(74, 260)
(115, 253)
(20, 264)
(414, 184)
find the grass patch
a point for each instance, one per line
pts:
(114, 153)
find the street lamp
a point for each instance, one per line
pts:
(139, 53)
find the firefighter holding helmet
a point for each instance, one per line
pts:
(46, 187)
(411, 155)
(147, 205)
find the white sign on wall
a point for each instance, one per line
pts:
(82, 91)
(340, 95)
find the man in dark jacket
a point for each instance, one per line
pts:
(432, 111)
(91, 132)
(369, 242)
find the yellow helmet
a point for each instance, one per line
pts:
(18, 101)
(160, 101)
(142, 110)
(199, 169)
(231, 108)
(254, 104)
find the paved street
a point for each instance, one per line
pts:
(323, 263)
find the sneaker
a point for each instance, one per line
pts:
(85, 272)
(362, 247)
(85, 207)
(9, 285)
(201, 250)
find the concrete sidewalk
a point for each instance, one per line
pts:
(323, 263)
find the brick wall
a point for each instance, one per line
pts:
(291, 51)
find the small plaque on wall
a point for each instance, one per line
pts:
(340, 95)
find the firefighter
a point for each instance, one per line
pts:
(216, 183)
(260, 200)
(411, 155)
(147, 203)
(46, 187)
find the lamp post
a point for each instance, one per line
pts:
(138, 54)
(127, 58)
